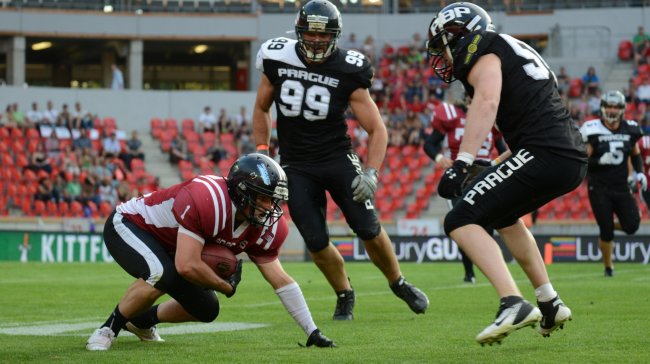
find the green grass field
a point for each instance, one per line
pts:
(47, 311)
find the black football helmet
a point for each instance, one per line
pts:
(253, 175)
(445, 30)
(318, 16)
(612, 100)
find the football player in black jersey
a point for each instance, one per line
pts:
(611, 142)
(312, 82)
(513, 89)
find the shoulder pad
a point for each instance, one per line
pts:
(278, 49)
(445, 112)
(593, 126)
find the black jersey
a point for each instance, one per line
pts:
(311, 99)
(608, 165)
(531, 112)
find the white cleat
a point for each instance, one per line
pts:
(101, 339)
(556, 313)
(149, 334)
(509, 318)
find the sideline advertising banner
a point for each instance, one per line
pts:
(53, 247)
(554, 248)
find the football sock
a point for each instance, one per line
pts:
(116, 321)
(147, 319)
(545, 292)
(294, 302)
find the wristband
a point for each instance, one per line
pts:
(262, 147)
(495, 161)
(465, 157)
(439, 157)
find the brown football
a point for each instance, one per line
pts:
(220, 259)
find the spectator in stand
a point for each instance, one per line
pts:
(88, 189)
(125, 192)
(101, 170)
(352, 42)
(215, 152)
(39, 160)
(643, 91)
(50, 115)
(223, 122)
(83, 141)
(241, 118)
(106, 192)
(178, 150)
(368, 48)
(81, 119)
(110, 145)
(59, 188)
(133, 149)
(86, 159)
(8, 120)
(19, 116)
(65, 118)
(563, 82)
(52, 146)
(34, 117)
(413, 128)
(73, 188)
(207, 121)
(590, 81)
(244, 140)
(594, 103)
(44, 191)
(639, 44)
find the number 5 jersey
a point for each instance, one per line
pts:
(311, 99)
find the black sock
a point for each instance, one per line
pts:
(147, 319)
(467, 264)
(116, 321)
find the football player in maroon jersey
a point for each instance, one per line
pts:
(158, 238)
(448, 124)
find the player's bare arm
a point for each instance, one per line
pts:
(274, 273)
(486, 78)
(262, 112)
(367, 114)
(190, 265)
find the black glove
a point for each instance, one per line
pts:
(476, 168)
(319, 340)
(364, 185)
(452, 181)
(235, 278)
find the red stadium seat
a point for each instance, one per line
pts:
(625, 50)
(39, 208)
(105, 209)
(76, 209)
(94, 211)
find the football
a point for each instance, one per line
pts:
(220, 259)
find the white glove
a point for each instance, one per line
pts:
(643, 180)
(606, 159)
(364, 185)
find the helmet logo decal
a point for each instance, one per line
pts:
(454, 13)
(264, 174)
(317, 22)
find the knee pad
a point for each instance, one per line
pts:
(316, 242)
(607, 235)
(630, 229)
(207, 313)
(367, 232)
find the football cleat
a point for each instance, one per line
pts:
(344, 305)
(101, 339)
(554, 314)
(609, 272)
(415, 298)
(149, 334)
(469, 279)
(514, 313)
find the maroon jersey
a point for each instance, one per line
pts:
(449, 120)
(644, 146)
(201, 208)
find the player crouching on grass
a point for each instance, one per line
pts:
(158, 239)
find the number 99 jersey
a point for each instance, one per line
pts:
(311, 99)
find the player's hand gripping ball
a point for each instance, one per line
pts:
(220, 259)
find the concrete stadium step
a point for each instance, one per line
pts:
(157, 162)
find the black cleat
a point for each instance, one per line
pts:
(344, 305)
(415, 298)
(609, 272)
(469, 278)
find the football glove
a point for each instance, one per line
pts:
(452, 181)
(643, 180)
(319, 340)
(476, 168)
(364, 185)
(235, 278)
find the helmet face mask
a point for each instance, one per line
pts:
(612, 107)
(257, 186)
(321, 21)
(445, 30)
